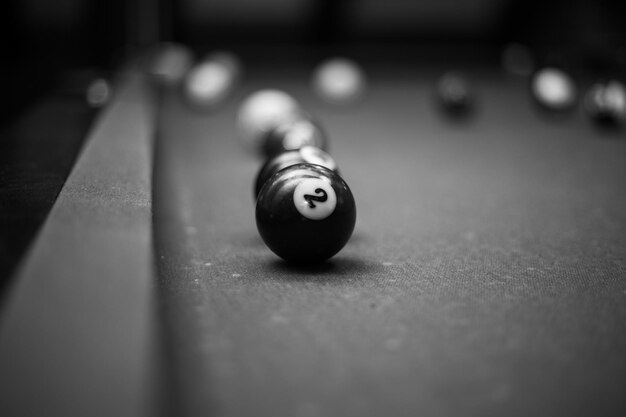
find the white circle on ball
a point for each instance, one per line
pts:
(316, 156)
(315, 198)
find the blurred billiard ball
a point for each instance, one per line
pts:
(339, 81)
(293, 134)
(554, 89)
(305, 213)
(261, 112)
(306, 154)
(208, 84)
(98, 93)
(605, 103)
(454, 94)
(92, 85)
(171, 63)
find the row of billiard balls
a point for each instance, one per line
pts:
(305, 211)
(341, 80)
(552, 89)
(604, 101)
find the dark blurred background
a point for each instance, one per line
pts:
(43, 38)
(52, 49)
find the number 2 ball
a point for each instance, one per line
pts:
(305, 213)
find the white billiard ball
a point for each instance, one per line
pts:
(208, 84)
(554, 89)
(339, 81)
(263, 111)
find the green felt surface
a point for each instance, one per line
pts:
(486, 274)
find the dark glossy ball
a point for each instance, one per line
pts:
(454, 93)
(293, 134)
(305, 213)
(605, 103)
(306, 154)
(554, 90)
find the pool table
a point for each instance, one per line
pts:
(486, 275)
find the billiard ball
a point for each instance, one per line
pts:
(91, 85)
(554, 89)
(306, 154)
(208, 84)
(171, 63)
(454, 94)
(339, 81)
(98, 93)
(305, 213)
(293, 134)
(605, 103)
(262, 111)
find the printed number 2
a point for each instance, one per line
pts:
(320, 198)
